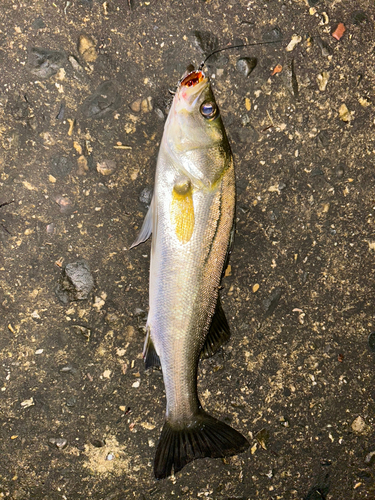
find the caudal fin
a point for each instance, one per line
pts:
(206, 437)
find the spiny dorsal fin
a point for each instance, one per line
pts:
(218, 334)
(150, 355)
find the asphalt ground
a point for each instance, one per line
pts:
(84, 92)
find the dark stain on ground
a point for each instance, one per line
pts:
(83, 97)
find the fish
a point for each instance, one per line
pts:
(191, 219)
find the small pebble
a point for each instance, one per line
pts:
(273, 35)
(44, 63)
(344, 113)
(75, 64)
(146, 105)
(71, 402)
(245, 120)
(146, 196)
(51, 228)
(272, 301)
(325, 462)
(245, 65)
(60, 443)
(107, 374)
(79, 275)
(68, 369)
(83, 330)
(159, 113)
(136, 106)
(102, 102)
(60, 114)
(322, 80)
(76, 282)
(110, 456)
(87, 48)
(359, 425)
(263, 437)
(284, 422)
(324, 19)
(371, 341)
(112, 319)
(65, 204)
(27, 403)
(370, 458)
(106, 167)
(83, 167)
(60, 166)
(340, 170)
(324, 47)
(296, 39)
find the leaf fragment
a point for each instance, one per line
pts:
(277, 69)
(339, 31)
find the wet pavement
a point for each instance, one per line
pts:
(84, 92)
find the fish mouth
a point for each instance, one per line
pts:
(192, 79)
(191, 87)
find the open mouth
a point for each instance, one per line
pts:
(192, 79)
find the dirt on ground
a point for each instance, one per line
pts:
(84, 93)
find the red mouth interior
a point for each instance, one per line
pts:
(192, 79)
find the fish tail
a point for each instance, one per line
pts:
(205, 436)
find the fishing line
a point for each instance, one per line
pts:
(200, 67)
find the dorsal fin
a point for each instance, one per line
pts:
(218, 334)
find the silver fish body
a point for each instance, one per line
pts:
(191, 218)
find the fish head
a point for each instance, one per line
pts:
(194, 131)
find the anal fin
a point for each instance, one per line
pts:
(150, 356)
(218, 334)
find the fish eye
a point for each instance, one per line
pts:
(209, 110)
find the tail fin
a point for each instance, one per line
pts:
(206, 437)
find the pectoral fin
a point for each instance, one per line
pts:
(182, 210)
(146, 228)
(218, 334)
